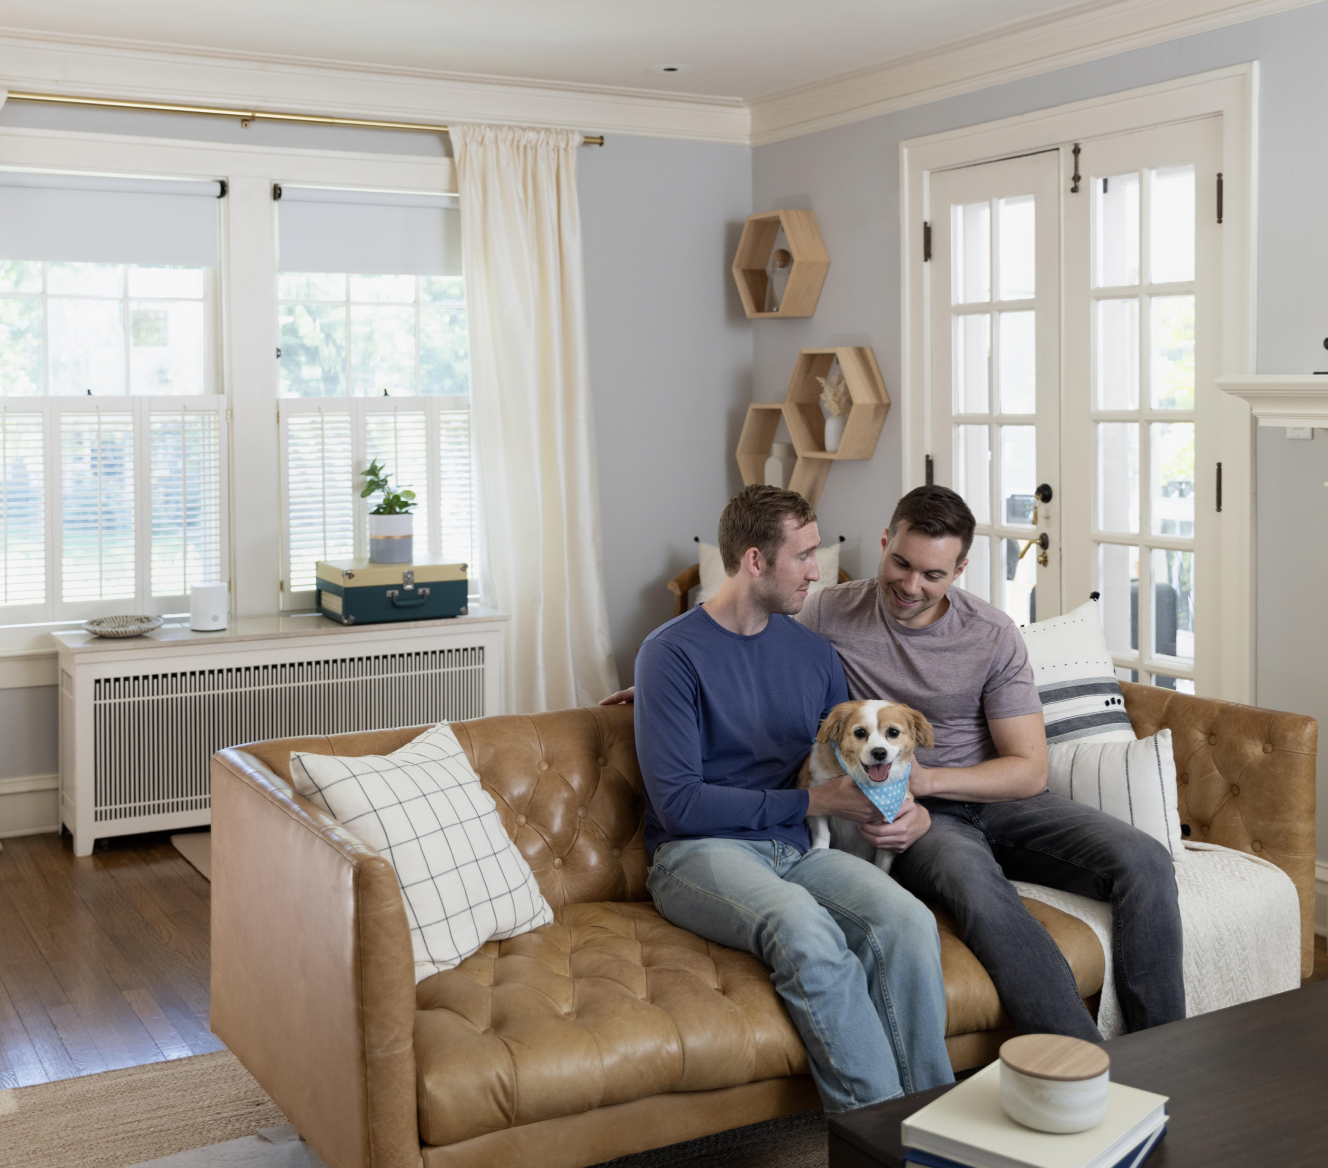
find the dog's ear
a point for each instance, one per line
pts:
(833, 725)
(922, 734)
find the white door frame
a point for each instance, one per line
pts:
(1231, 93)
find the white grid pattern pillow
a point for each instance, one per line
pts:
(422, 807)
(1134, 781)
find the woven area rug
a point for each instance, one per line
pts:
(207, 1105)
(119, 1118)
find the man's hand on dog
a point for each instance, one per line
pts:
(840, 797)
(910, 824)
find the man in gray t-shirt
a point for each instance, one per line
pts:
(983, 816)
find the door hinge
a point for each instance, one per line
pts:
(281, 585)
(1076, 176)
(1219, 486)
(1219, 206)
(926, 242)
(931, 471)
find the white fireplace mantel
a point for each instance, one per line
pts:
(1282, 399)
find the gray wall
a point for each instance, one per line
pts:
(670, 360)
(850, 177)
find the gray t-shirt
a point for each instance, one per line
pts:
(967, 667)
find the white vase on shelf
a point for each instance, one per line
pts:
(779, 466)
(834, 432)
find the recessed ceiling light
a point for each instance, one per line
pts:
(672, 67)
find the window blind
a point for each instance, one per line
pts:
(320, 494)
(368, 232)
(399, 441)
(456, 491)
(22, 509)
(185, 500)
(97, 506)
(101, 219)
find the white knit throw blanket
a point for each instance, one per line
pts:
(1241, 920)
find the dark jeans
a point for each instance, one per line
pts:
(963, 863)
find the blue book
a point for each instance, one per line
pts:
(1132, 1159)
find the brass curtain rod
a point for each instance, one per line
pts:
(245, 116)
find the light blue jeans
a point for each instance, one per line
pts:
(856, 959)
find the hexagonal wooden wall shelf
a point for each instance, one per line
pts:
(806, 274)
(801, 411)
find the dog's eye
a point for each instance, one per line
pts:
(859, 733)
(893, 732)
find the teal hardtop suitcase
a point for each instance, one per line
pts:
(360, 592)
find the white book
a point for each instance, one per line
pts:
(967, 1125)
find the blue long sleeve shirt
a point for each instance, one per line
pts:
(723, 722)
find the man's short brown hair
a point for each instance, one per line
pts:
(755, 518)
(936, 512)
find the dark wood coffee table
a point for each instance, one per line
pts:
(1248, 1085)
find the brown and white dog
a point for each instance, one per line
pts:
(878, 736)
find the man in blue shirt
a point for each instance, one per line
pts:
(729, 697)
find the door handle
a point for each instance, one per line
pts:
(1043, 541)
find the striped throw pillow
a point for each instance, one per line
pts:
(1134, 781)
(1076, 679)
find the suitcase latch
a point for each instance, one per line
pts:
(408, 579)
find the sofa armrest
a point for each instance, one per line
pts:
(1245, 779)
(313, 983)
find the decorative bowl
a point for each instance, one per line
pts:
(122, 626)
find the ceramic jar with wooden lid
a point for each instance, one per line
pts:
(1054, 1084)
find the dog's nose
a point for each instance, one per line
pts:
(878, 753)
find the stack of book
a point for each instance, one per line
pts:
(966, 1128)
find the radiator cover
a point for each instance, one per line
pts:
(141, 720)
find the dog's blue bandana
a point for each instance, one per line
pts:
(887, 797)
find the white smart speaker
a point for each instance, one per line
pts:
(207, 607)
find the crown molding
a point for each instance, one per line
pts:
(110, 67)
(1009, 52)
(1281, 399)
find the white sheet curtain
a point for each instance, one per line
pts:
(540, 554)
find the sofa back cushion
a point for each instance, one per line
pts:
(570, 795)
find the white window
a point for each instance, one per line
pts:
(374, 364)
(111, 434)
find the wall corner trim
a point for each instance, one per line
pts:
(25, 669)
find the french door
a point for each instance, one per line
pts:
(1073, 320)
(995, 406)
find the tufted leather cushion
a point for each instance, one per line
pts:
(609, 1004)
(1244, 779)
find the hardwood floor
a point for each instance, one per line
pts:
(104, 961)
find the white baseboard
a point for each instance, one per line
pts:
(1321, 898)
(29, 805)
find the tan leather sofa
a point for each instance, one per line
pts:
(610, 1031)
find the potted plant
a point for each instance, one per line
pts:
(391, 525)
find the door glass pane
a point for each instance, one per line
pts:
(1173, 604)
(971, 231)
(313, 350)
(1179, 684)
(1117, 476)
(1116, 231)
(85, 279)
(977, 576)
(166, 346)
(1171, 225)
(1015, 257)
(972, 363)
(1172, 364)
(1116, 353)
(972, 464)
(1018, 364)
(1172, 501)
(1118, 585)
(1018, 582)
(21, 345)
(1018, 473)
(1123, 674)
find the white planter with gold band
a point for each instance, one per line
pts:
(391, 538)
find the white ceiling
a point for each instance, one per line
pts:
(737, 48)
